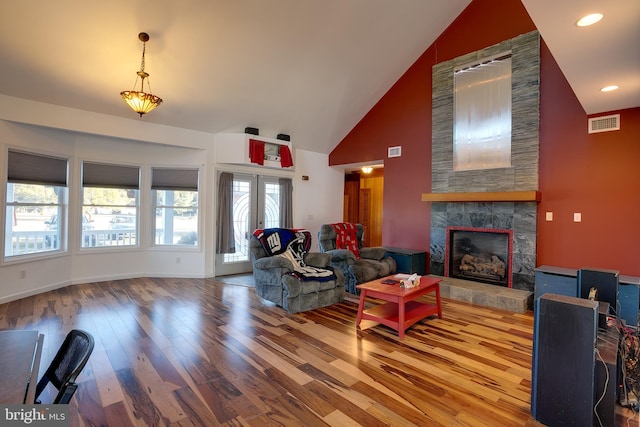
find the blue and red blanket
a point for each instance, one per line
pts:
(293, 244)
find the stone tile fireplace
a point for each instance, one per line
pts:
(501, 198)
(516, 220)
(479, 254)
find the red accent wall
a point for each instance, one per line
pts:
(591, 174)
(596, 175)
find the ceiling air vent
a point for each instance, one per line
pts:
(604, 123)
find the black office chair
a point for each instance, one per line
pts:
(67, 365)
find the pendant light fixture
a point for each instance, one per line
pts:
(140, 101)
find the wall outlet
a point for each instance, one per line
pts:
(577, 217)
(178, 260)
(23, 274)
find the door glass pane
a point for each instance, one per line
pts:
(241, 215)
(271, 204)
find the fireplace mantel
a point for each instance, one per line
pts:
(487, 196)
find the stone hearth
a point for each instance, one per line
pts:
(520, 217)
(508, 299)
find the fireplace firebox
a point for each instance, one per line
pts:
(479, 254)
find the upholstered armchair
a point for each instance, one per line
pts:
(343, 241)
(287, 274)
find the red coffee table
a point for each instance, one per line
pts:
(401, 310)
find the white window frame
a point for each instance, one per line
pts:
(172, 180)
(169, 210)
(25, 168)
(107, 233)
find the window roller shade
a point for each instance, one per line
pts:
(29, 168)
(174, 179)
(112, 176)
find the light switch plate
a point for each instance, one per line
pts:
(549, 216)
(577, 217)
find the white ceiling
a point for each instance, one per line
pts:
(597, 56)
(311, 69)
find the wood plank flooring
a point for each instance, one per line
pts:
(196, 352)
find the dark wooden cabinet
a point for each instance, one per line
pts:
(564, 281)
(409, 260)
(629, 298)
(556, 280)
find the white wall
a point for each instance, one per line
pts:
(81, 135)
(145, 260)
(318, 200)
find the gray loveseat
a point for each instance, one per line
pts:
(373, 262)
(276, 280)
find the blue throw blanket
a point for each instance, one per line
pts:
(293, 245)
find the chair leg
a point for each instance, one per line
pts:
(40, 387)
(66, 393)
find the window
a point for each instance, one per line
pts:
(175, 199)
(36, 194)
(482, 127)
(110, 205)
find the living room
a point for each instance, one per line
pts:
(569, 180)
(589, 174)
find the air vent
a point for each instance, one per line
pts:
(604, 123)
(394, 151)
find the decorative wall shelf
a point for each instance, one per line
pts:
(497, 196)
(233, 148)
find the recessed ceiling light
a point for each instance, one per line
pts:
(589, 19)
(609, 88)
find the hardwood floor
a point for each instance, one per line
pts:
(191, 352)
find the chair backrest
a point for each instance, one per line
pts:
(289, 237)
(67, 365)
(255, 249)
(327, 237)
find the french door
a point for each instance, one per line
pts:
(256, 201)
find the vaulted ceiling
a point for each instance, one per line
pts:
(311, 69)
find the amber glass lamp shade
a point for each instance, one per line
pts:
(140, 101)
